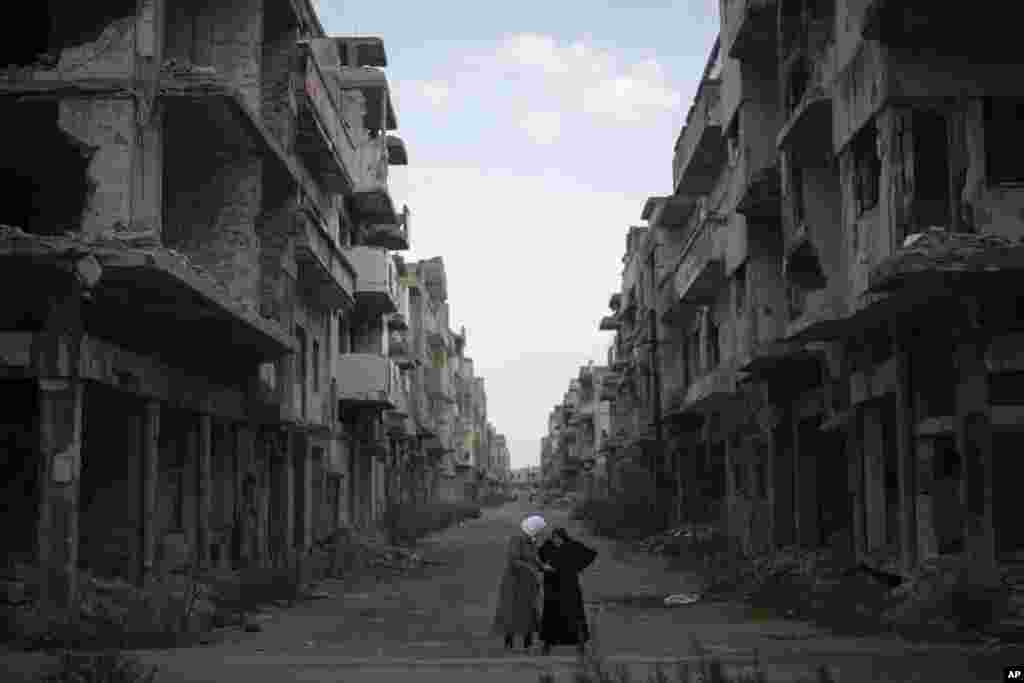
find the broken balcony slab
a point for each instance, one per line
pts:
(809, 128)
(944, 259)
(776, 358)
(128, 273)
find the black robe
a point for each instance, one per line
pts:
(564, 621)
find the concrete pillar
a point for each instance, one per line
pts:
(150, 490)
(60, 444)
(905, 427)
(288, 491)
(873, 455)
(927, 539)
(203, 490)
(974, 441)
(304, 493)
(243, 536)
(855, 480)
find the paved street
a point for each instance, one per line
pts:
(435, 625)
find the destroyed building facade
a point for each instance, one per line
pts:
(211, 353)
(838, 347)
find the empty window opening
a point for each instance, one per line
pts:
(714, 343)
(300, 374)
(867, 168)
(803, 267)
(44, 29)
(732, 137)
(922, 154)
(740, 289)
(946, 502)
(44, 171)
(796, 195)
(796, 300)
(316, 366)
(796, 84)
(1003, 162)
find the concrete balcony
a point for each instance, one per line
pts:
(320, 136)
(399, 320)
(701, 272)
(749, 29)
(701, 151)
(668, 212)
(392, 233)
(712, 392)
(368, 380)
(761, 194)
(325, 273)
(440, 385)
(371, 198)
(376, 280)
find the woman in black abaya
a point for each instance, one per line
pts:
(564, 621)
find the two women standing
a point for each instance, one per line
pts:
(559, 560)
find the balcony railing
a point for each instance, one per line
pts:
(324, 270)
(321, 138)
(368, 379)
(701, 272)
(376, 280)
(701, 151)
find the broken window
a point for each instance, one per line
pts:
(44, 171)
(1003, 128)
(867, 168)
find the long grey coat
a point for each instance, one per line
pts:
(520, 588)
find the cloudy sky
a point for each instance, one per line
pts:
(535, 130)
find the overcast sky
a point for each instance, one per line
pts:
(535, 131)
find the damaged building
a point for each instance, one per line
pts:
(838, 340)
(210, 359)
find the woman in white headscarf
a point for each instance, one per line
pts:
(520, 585)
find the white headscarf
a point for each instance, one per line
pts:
(532, 525)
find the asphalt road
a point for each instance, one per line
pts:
(434, 624)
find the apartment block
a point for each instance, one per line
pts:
(216, 357)
(836, 347)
